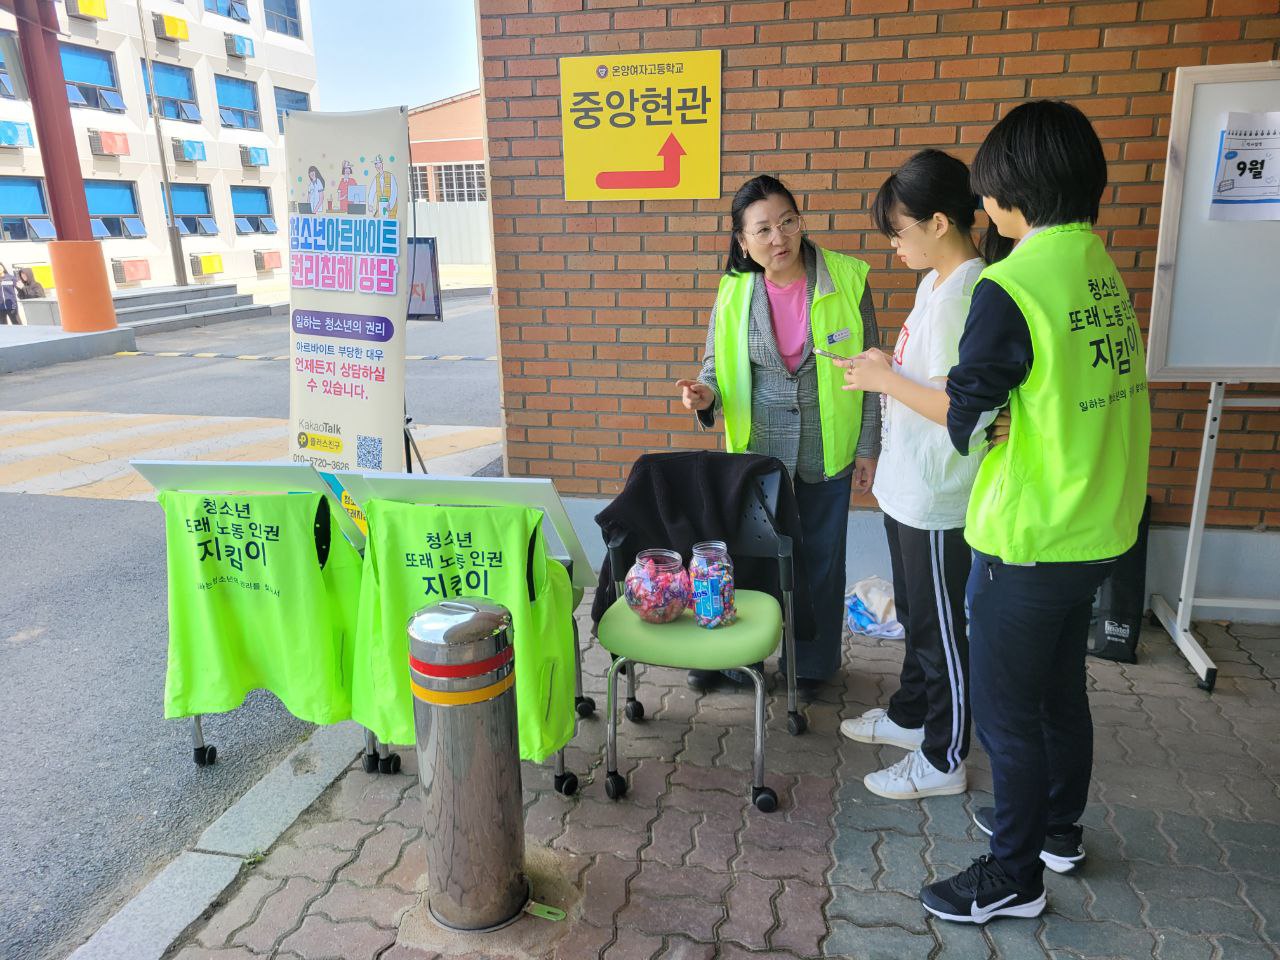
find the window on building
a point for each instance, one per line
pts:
(238, 103)
(24, 215)
(420, 181)
(460, 181)
(235, 9)
(91, 78)
(7, 42)
(283, 17)
(290, 100)
(113, 209)
(191, 211)
(175, 91)
(251, 207)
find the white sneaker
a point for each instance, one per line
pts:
(913, 777)
(874, 726)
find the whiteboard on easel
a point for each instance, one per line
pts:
(1215, 313)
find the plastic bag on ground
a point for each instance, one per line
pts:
(869, 609)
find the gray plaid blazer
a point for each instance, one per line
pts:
(780, 398)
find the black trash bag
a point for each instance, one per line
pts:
(1122, 600)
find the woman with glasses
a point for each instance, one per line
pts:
(783, 298)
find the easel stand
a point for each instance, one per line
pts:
(1178, 622)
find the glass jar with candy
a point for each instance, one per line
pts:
(657, 586)
(711, 579)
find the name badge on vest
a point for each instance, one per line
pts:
(838, 337)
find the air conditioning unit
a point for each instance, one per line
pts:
(253, 156)
(16, 134)
(130, 271)
(170, 28)
(87, 9)
(188, 151)
(238, 46)
(266, 260)
(205, 264)
(108, 143)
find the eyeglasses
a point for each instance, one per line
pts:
(896, 235)
(788, 226)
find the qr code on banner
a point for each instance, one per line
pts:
(368, 452)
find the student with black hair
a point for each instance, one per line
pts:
(1051, 336)
(780, 297)
(926, 209)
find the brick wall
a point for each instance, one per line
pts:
(603, 305)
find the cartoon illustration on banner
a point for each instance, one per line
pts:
(641, 126)
(349, 288)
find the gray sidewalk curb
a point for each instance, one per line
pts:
(151, 921)
(146, 926)
(256, 820)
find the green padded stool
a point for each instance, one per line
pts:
(685, 645)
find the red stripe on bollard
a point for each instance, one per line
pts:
(461, 671)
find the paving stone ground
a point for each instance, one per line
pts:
(1183, 835)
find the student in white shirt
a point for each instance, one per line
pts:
(926, 209)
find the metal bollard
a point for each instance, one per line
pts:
(462, 673)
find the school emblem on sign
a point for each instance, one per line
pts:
(641, 126)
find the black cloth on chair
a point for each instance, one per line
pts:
(674, 500)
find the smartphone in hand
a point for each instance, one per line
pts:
(828, 354)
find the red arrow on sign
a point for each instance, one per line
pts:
(668, 176)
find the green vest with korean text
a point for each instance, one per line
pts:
(419, 554)
(262, 595)
(835, 323)
(1070, 483)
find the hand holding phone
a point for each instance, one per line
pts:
(831, 356)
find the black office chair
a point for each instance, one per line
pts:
(760, 626)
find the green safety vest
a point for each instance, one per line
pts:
(252, 607)
(1070, 483)
(835, 323)
(418, 555)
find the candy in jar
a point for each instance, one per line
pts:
(711, 579)
(657, 586)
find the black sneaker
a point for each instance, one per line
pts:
(740, 678)
(1062, 852)
(703, 680)
(808, 689)
(981, 893)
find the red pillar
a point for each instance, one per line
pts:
(79, 271)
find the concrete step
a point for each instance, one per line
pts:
(182, 321)
(125, 299)
(129, 315)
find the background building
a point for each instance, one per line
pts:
(603, 305)
(449, 180)
(446, 147)
(224, 71)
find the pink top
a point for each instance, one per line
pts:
(790, 312)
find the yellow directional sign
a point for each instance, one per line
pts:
(641, 126)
